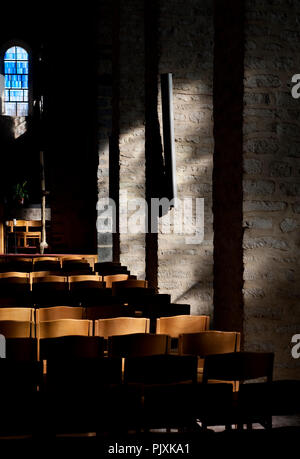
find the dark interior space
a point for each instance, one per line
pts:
(128, 318)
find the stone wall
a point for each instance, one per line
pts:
(132, 129)
(272, 181)
(186, 48)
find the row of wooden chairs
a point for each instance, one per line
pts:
(63, 265)
(153, 395)
(172, 326)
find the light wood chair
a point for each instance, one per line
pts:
(129, 284)
(46, 264)
(209, 342)
(50, 290)
(23, 230)
(114, 278)
(59, 312)
(20, 314)
(137, 344)
(177, 325)
(84, 280)
(241, 367)
(64, 327)
(13, 276)
(17, 329)
(121, 326)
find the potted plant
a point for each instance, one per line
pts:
(20, 192)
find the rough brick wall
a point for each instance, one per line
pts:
(104, 239)
(272, 181)
(186, 47)
(132, 129)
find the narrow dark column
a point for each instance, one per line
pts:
(228, 164)
(153, 147)
(114, 151)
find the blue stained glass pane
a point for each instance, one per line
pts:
(24, 81)
(25, 96)
(10, 53)
(10, 67)
(6, 95)
(16, 96)
(8, 81)
(21, 54)
(22, 67)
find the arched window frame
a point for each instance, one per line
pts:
(3, 49)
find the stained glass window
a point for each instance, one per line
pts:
(16, 81)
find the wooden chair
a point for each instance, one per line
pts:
(177, 325)
(243, 366)
(110, 268)
(25, 236)
(64, 327)
(17, 329)
(110, 311)
(86, 289)
(121, 326)
(36, 274)
(17, 264)
(114, 278)
(137, 344)
(71, 347)
(15, 289)
(46, 264)
(130, 286)
(21, 349)
(207, 343)
(50, 290)
(59, 312)
(76, 266)
(85, 281)
(161, 369)
(14, 277)
(21, 314)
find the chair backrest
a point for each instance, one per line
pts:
(49, 279)
(21, 314)
(161, 369)
(238, 366)
(59, 312)
(14, 276)
(109, 311)
(64, 327)
(42, 259)
(177, 325)
(71, 347)
(35, 274)
(84, 278)
(137, 344)
(24, 224)
(46, 264)
(17, 329)
(114, 278)
(121, 326)
(129, 284)
(209, 342)
(21, 349)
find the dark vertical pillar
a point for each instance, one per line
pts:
(114, 151)
(153, 146)
(228, 164)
